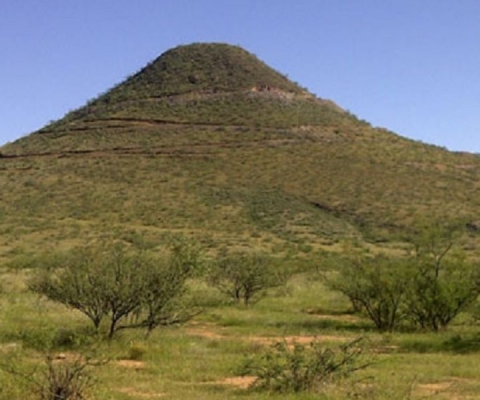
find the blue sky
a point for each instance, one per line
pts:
(412, 66)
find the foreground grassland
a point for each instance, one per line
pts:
(203, 359)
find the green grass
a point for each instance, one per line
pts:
(202, 358)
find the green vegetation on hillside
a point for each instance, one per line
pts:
(200, 67)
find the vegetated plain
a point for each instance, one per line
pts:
(209, 144)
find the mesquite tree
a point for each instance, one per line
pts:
(375, 286)
(127, 287)
(245, 277)
(444, 282)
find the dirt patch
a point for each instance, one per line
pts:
(385, 349)
(6, 347)
(431, 389)
(338, 317)
(138, 394)
(137, 365)
(205, 332)
(241, 382)
(290, 340)
(69, 358)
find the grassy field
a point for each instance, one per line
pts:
(203, 359)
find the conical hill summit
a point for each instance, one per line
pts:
(201, 68)
(194, 85)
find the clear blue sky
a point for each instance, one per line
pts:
(412, 66)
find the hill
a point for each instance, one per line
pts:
(210, 142)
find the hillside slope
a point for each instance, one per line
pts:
(210, 142)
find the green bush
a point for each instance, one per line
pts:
(127, 287)
(66, 380)
(444, 283)
(60, 378)
(375, 286)
(428, 288)
(245, 278)
(298, 368)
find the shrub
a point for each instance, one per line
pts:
(245, 278)
(65, 380)
(128, 287)
(375, 286)
(429, 288)
(297, 367)
(59, 379)
(444, 282)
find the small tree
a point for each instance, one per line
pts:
(245, 278)
(76, 280)
(163, 300)
(444, 282)
(130, 288)
(375, 286)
